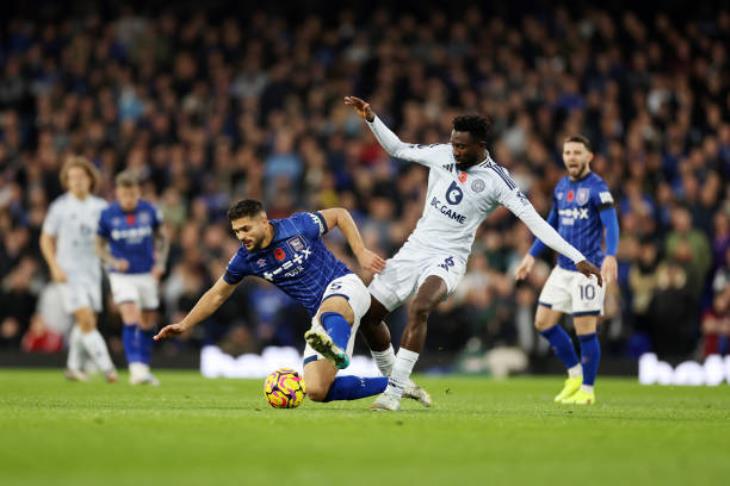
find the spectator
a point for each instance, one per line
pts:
(209, 109)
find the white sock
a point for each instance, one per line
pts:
(75, 350)
(384, 360)
(587, 388)
(402, 369)
(138, 371)
(576, 371)
(96, 347)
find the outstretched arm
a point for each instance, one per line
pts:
(538, 246)
(341, 218)
(207, 305)
(528, 261)
(395, 147)
(547, 234)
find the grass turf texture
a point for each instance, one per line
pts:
(197, 431)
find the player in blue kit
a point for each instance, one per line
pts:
(582, 209)
(132, 244)
(291, 254)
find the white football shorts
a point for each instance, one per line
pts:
(139, 288)
(572, 293)
(80, 292)
(408, 269)
(353, 289)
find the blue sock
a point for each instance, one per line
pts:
(722, 345)
(337, 327)
(131, 343)
(590, 352)
(562, 345)
(145, 345)
(354, 387)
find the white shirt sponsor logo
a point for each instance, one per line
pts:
(605, 197)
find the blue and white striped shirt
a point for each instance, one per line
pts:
(297, 260)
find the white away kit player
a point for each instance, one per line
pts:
(67, 243)
(464, 186)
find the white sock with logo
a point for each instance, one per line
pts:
(94, 344)
(75, 350)
(384, 360)
(401, 374)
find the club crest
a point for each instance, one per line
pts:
(582, 196)
(477, 185)
(296, 244)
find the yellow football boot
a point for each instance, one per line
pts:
(569, 388)
(580, 397)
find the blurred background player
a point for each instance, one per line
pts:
(291, 254)
(132, 244)
(67, 244)
(464, 186)
(582, 208)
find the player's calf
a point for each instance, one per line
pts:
(323, 385)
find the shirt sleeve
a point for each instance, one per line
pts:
(102, 229)
(428, 155)
(311, 225)
(157, 217)
(237, 269)
(547, 234)
(601, 197)
(609, 219)
(52, 223)
(538, 246)
(507, 193)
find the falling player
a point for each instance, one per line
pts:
(291, 254)
(464, 186)
(582, 208)
(132, 244)
(67, 244)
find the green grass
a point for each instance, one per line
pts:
(197, 431)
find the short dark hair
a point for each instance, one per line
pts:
(478, 126)
(245, 208)
(580, 139)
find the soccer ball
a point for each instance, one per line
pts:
(284, 388)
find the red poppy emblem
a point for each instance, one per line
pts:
(462, 177)
(279, 254)
(131, 219)
(570, 196)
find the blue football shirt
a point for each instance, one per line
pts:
(131, 234)
(297, 260)
(577, 206)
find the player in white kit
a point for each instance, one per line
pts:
(464, 186)
(67, 243)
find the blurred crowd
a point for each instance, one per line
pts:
(210, 108)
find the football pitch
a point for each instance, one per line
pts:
(193, 431)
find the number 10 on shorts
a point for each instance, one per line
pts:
(587, 292)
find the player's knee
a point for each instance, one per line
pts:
(585, 326)
(86, 321)
(317, 392)
(542, 324)
(420, 309)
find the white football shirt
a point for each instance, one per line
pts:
(457, 202)
(73, 223)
